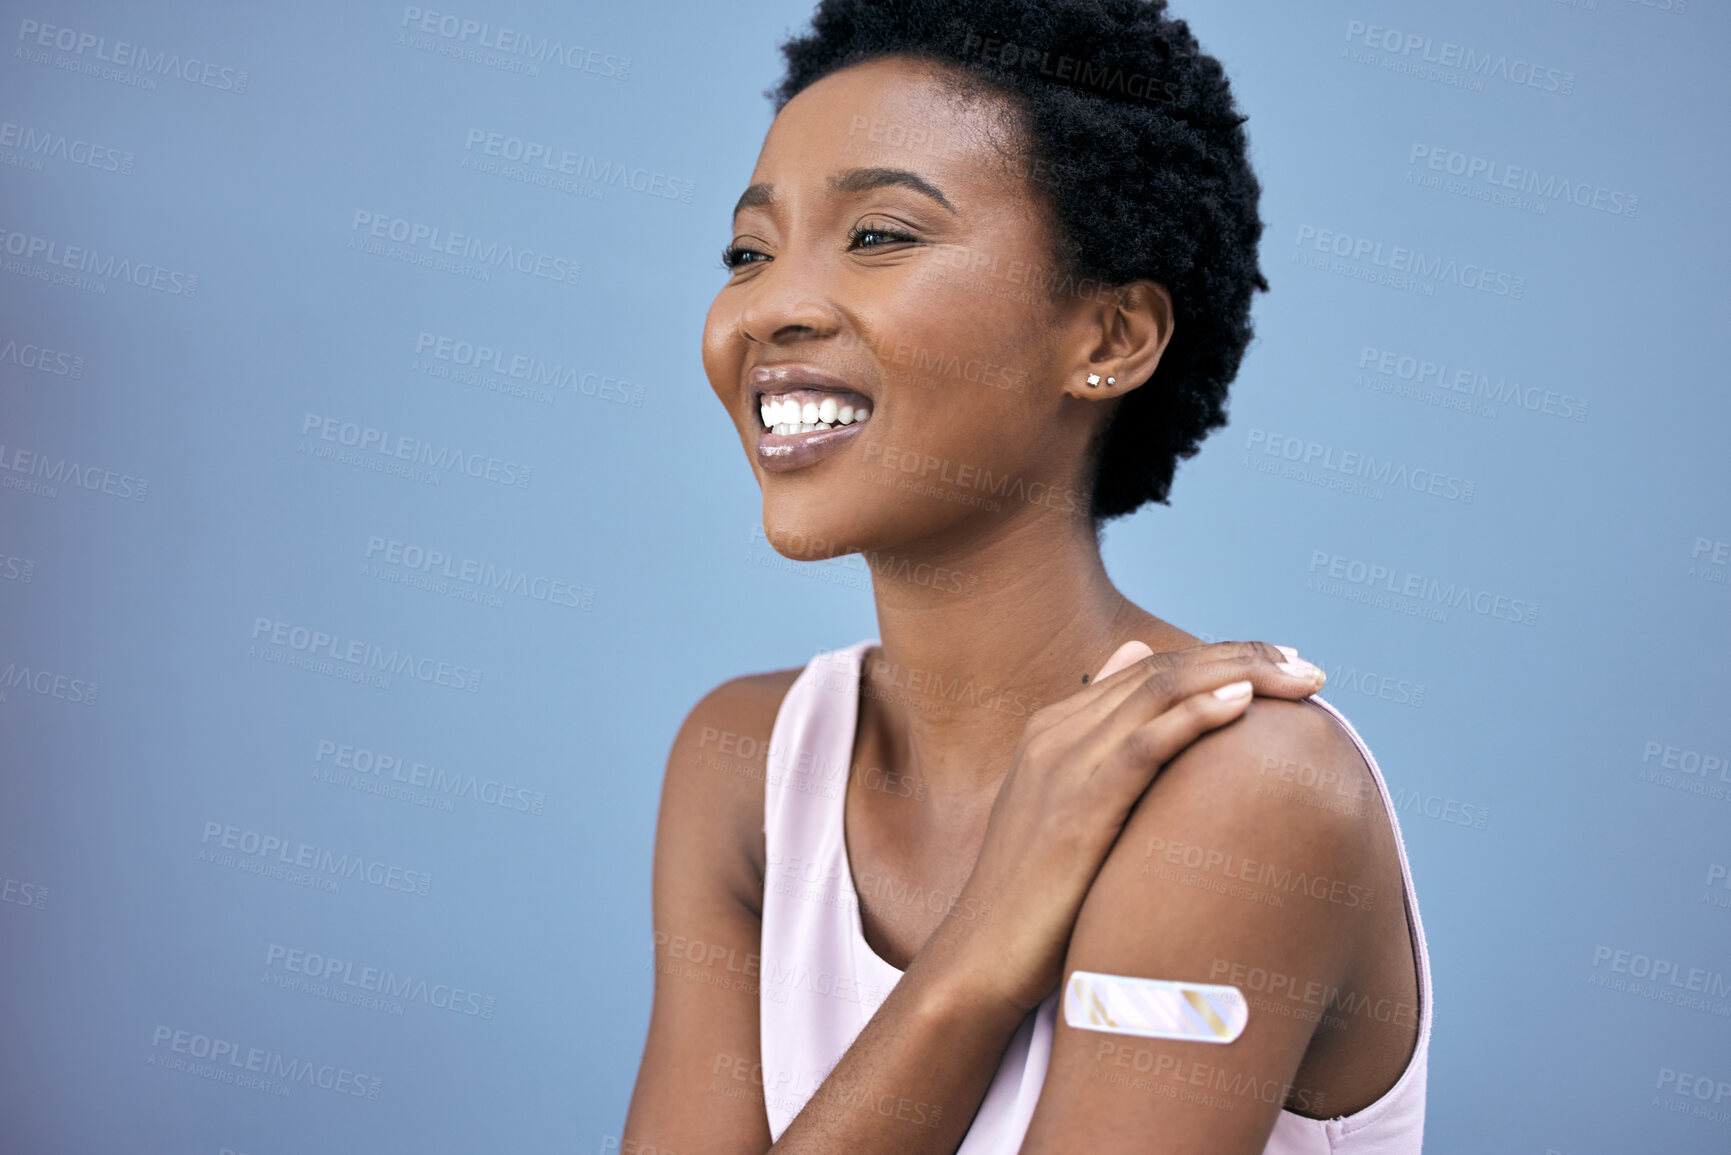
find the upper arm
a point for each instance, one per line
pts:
(1216, 875)
(699, 1086)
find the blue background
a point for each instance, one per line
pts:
(1587, 847)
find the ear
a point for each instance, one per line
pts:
(1121, 333)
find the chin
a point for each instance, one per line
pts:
(813, 523)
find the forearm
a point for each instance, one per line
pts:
(916, 1074)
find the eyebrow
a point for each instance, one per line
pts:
(754, 197)
(854, 180)
(863, 179)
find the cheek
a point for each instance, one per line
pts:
(965, 371)
(721, 348)
(979, 330)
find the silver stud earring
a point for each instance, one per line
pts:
(1093, 378)
(1111, 380)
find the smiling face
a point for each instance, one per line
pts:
(889, 258)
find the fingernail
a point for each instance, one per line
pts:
(1233, 690)
(1299, 668)
(1123, 657)
(1288, 651)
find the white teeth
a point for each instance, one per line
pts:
(785, 415)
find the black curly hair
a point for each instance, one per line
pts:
(1145, 174)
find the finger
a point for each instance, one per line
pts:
(1271, 670)
(1160, 680)
(1277, 671)
(1123, 658)
(1130, 766)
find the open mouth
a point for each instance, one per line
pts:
(809, 410)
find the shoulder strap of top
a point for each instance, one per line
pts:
(1405, 1100)
(805, 771)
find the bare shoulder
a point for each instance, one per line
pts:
(708, 907)
(742, 707)
(1287, 807)
(1264, 837)
(1289, 764)
(712, 794)
(1262, 849)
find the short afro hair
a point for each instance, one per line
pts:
(1149, 179)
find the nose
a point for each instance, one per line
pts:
(786, 304)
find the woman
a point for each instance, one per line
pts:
(988, 284)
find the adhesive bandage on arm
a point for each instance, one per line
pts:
(1154, 1008)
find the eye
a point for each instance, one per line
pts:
(734, 256)
(872, 236)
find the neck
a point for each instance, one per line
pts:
(959, 673)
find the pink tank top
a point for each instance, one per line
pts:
(821, 982)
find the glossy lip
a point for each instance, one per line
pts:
(787, 378)
(785, 452)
